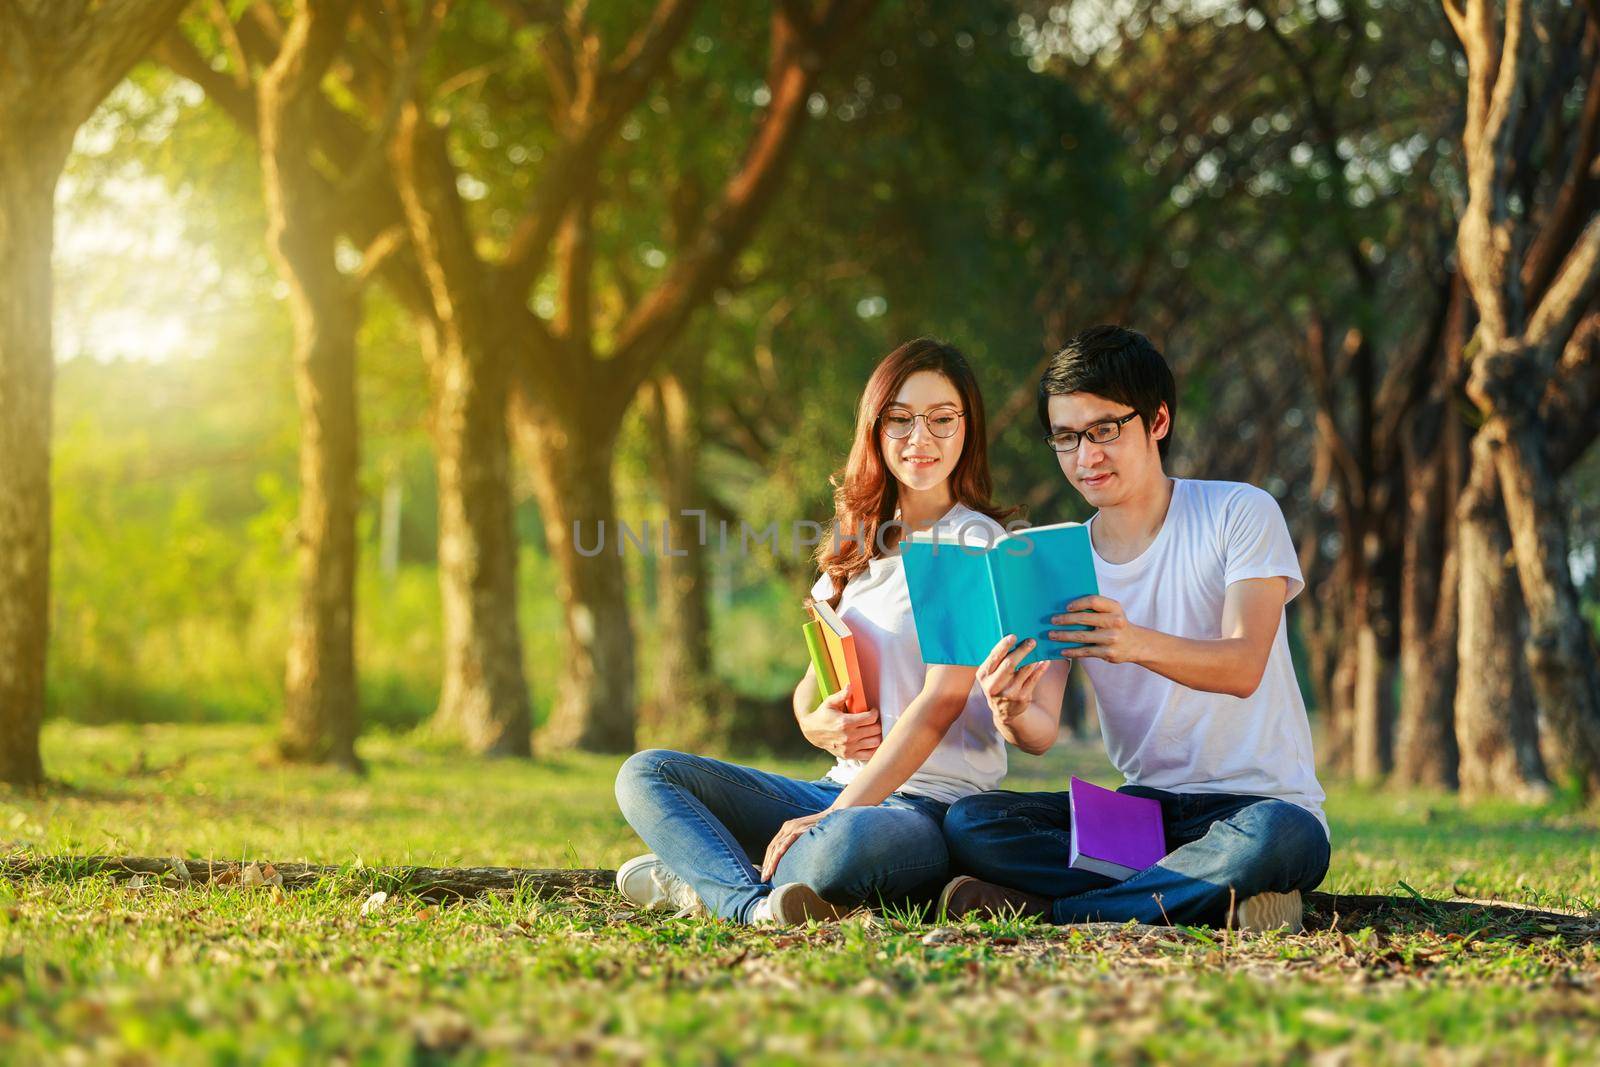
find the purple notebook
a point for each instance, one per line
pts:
(1114, 834)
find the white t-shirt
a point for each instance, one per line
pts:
(1167, 736)
(876, 606)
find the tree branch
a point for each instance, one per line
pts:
(652, 323)
(101, 45)
(1567, 298)
(411, 51)
(1571, 405)
(217, 11)
(1493, 92)
(238, 102)
(573, 163)
(1575, 200)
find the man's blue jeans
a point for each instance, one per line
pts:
(1221, 849)
(710, 822)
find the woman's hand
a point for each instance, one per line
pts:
(848, 735)
(787, 835)
(1009, 690)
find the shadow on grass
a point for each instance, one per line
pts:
(1415, 913)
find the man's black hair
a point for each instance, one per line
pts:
(1118, 364)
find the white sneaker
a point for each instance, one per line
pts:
(646, 881)
(1271, 911)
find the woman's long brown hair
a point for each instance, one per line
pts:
(865, 494)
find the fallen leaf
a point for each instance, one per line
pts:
(373, 903)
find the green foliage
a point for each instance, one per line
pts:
(972, 170)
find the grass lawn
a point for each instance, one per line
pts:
(92, 971)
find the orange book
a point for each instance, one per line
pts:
(841, 645)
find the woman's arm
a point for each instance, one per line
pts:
(1026, 703)
(806, 695)
(1035, 728)
(916, 733)
(828, 724)
(912, 739)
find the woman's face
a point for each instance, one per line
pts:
(921, 460)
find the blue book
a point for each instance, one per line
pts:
(964, 599)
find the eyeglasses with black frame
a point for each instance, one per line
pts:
(941, 422)
(1101, 433)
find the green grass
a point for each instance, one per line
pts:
(93, 971)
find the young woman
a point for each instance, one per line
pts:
(751, 846)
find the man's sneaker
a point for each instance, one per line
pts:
(795, 903)
(646, 881)
(965, 895)
(1271, 911)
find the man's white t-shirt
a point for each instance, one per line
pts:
(1167, 736)
(876, 606)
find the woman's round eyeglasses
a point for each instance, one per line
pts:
(941, 423)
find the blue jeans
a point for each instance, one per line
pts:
(710, 822)
(1221, 849)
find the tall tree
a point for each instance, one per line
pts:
(321, 712)
(574, 374)
(58, 60)
(573, 371)
(1532, 273)
(484, 697)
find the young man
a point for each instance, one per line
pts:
(1189, 658)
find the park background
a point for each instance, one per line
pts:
(353, 309)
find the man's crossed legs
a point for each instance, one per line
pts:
(1224, 849)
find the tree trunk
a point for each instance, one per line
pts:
(57, 62)
(1425, 751)
(1489, 700)
(687, 705)
(1560, 647)
(321, 707)
(1372, 713)
(1375, 633)
(571, 448)
(484, 701)
(1332, 660)
(1342, 707)
(27, 216)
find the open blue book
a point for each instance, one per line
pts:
(964, 599)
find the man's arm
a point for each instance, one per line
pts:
(1231, 664)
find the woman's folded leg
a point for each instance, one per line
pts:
(705, 819)
(889, 853)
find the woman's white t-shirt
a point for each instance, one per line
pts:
(1168, 736)
(877, 607)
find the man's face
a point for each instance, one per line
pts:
(1106, 474)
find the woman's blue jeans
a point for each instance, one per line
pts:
(1221, 849)
(710, 822)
